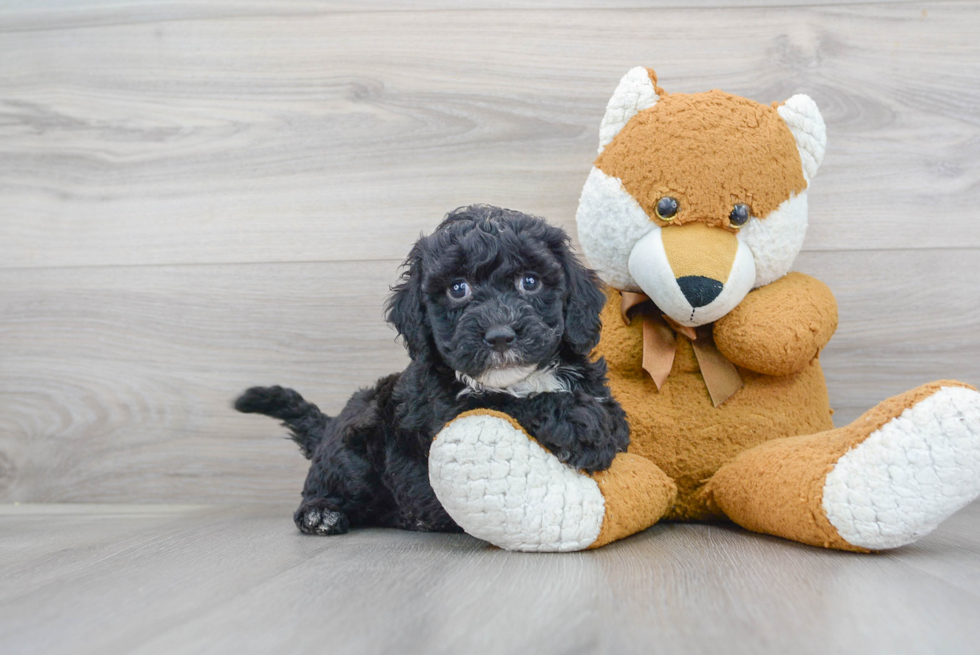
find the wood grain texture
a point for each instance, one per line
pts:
(119, 380)
(21, 15)
(116, 382)
(179, 135)
(106, 580)
(197, 198)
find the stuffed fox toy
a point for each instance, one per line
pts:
(693, 214)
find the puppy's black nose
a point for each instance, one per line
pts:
(699, 290)
(499, 337)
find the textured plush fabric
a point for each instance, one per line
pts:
(681, 431)
(910, 474)
(778, 487)
(637, 91)
(776, 239)
(709, 151)
(652, 266)
(809, 131)
(748, 458)
(636, 493)
(779, 328)
(698, 249)
(499, 484)
(610, 222)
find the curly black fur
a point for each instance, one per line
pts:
(370, 462)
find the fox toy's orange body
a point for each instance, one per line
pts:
(679, 429)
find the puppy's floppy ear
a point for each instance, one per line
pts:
(584, 301)
(405, 309)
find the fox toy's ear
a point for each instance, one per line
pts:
(405, 308)
(637, 91)
(810, 132)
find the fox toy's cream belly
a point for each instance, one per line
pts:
(679, 429)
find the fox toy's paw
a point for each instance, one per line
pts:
(880, 482)
(910, 474)
(500, 485)
(503, 487)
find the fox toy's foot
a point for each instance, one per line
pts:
(910, 474)
(881, 482)
(500, 485)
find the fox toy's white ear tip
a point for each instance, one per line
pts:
(637, 90)
(643, 70)
(809, 130)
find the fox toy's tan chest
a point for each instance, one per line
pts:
(678, 427)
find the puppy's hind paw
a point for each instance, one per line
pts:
(318, 519)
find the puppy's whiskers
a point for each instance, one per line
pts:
(507, 359)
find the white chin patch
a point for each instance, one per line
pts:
(504, 377)
(775, 240)
(517, 381)
(650, 268)
(610, 222)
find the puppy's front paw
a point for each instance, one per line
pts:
(317, 518)
(586, 440)
(588, 458)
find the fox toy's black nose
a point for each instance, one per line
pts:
(699, 290)
(499, 337)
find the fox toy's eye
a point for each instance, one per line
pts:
(459, 290)
(740, 215)
(529, 283)
(666, 208)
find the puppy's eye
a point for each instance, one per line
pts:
(667, 208)
(459, 290)
(529, 283)
(740, 215)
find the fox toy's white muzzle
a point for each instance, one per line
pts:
(695, 274)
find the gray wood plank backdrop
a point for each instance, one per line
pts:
(197, 197)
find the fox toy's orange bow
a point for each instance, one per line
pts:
(660, 344)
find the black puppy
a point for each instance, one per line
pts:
(496, 312)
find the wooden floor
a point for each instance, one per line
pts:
(179, 579)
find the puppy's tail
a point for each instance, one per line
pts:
(305, 421)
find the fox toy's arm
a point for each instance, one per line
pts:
(779, 328)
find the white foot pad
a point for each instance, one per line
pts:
(501, 487)
(909, 475)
